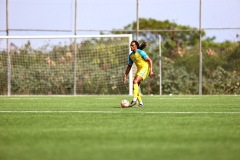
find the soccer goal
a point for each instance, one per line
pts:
(64, 65)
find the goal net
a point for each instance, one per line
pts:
(64, 65)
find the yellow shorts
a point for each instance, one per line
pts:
(143, 72)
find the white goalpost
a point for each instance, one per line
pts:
(64, 64)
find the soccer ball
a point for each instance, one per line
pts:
(124, 103)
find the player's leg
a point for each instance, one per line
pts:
(140, 76)
(136, 93)
(139, 98)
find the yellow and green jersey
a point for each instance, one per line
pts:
(139, 59)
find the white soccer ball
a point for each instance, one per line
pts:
(125, 103)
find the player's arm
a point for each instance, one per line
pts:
(149, 60)
(126, 73)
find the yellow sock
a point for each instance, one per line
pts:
(135, 90)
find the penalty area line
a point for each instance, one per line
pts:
(119, 112)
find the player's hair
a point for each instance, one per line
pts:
(141, 46)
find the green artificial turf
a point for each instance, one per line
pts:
(96, 127)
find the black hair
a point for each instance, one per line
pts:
(136, 42)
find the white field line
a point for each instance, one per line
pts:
(119, 112)
(169, 98)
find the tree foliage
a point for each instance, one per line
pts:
(179, 58)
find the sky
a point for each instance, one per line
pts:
(115, 14)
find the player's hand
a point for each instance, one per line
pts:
(151, 74)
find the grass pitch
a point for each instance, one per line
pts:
(96, 127)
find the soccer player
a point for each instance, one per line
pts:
(144, 68)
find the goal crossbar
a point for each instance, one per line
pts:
(65, 36)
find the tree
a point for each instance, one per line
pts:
(175, 38)
(180, 58)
